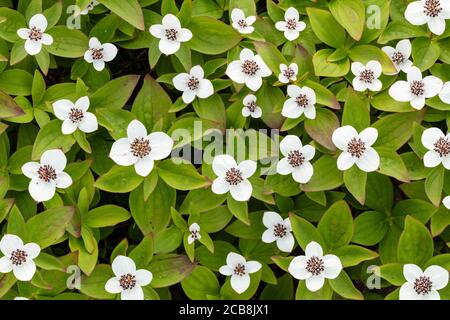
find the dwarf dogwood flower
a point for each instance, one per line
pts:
(288, 74)
(34, 36)
(250, 69)
(416, 89)
(170, 33)
(423, 285)
(18, 257)
(400, 55)
(241, 23)
(250, 107)
(128, 281)
(296, 160)
(47, 175)
(239, 269)
(301, 100)
(444, 95)
(193, 84)
(89, 7)
(314, 267)
(431, 12)
(446, 202)
(98, 53)
(75, 115)
(356, 148)
(439, 145)
(292, 26)
(194, 230)
(278, 230)
(233, 177)
(140, 149)
(366, 76)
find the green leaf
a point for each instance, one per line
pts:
(94, 285)
(8, 107)
(391, 164)
(425, 53)
(415, 244)
(355, 181)
(130, 11)
(67, 43)
(351, 255)
(115, 93)
(351, 14)
(305, 232)
(201, 283)
(322, 127)
(182, 176)
(119, 179)
(253, 230)
(326, 28)
(366, 53)
(270, 54)
(142, 254)
(370, 228)
(399, 30)
(356, 111)
(336, 225)
(14, 21)
(344, 287)
(303, 293)
(326, 175)
(170, 269)
(50, 137)
(393, 273)
(16, 82)
(325, 68)
(106, 216)
(434, 184)
(238, 208)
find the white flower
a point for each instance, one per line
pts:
(439, 145)
(75, 115)
(431, 12)
(366, 76)
(241, 23)
(239, 269)
(18, 257)
(356, 148)
(292, 26)
(140, 149)
(194, 230)
(35, 36)
(288, 74)
(193, 84)
(444, 95)
(296, 161)
(170, 33)
(446, 202)
(250, 69)
(278, 230)
(232, 177)
(416, 89)
(314, 267)
(89, 7)
(47, 175)
(301, 100)
(21, 298)
(423, 285)
(250, 107)
(400, 55)
(98, 53)
(128, 281)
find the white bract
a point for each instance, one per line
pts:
(288, 73)
(250, 69)
(141, 149)
(75, 116)
(400, 55)
(444, 95)
(250, 107)
(438, 145)
(423, 285)
(241, 23)
(301, 101)
(356, 148)
(278, 230)
(47, 175)
(194, 230)
(239, 269)
(314, 267)
(34, 36)
(416, 89)
(232, 177)
(431, 12)
(446, 202)
(21, 298)
(89, 7)
(171, 34)
(99, 53)
(193, 84)
(128, 281)
(366, 76)
(291, 26)
(296, 159)
(18, 257)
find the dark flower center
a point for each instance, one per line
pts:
(356, 147)
(76, 115)
(315, 265)
(242, 23)
(288, 73)
(140, 147)
(295, 158)
(417, 88)
(171, 34)
(442, 146)
(432, 8)
(195, 234)
(291, 24)
(127, 281)
(46, 173)
(239, 269)
(97, 54)
(18, 257)
(35, 34)
(367, 76)
(252, 106)
(193, 83)
(302, 100)
(423, 285)
(91, 5)
(279, 230)
(250, 67)
(398, 58)
(234, 176)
